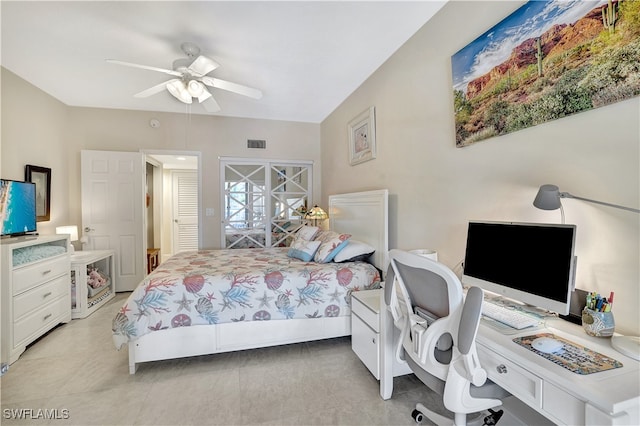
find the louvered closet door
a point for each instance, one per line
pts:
(185, 210)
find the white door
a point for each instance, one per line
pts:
(112, 211)
(185, 210)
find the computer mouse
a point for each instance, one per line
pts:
(547, 345)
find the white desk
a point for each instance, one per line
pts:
(605, 398)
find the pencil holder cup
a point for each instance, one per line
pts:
(598, 324)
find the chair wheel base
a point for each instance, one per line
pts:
(493, 418)
(417, 416)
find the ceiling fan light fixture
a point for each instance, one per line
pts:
(204, 96)
(195, 88)
(179, 91)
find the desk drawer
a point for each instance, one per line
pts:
(43, 318)
(41, 295)
(564, 407)
(366, 314)
(28, 277)
(521, 383)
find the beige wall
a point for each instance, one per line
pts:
(33, 132)
(436, 188)
(37, 129)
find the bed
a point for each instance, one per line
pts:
(240, 314)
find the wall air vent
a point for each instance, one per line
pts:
(256, 143)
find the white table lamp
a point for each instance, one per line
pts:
(72, 231)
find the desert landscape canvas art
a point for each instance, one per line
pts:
(547, 60)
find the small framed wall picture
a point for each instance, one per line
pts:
(41, 176)
(362, 137)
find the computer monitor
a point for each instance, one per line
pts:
(533, 263)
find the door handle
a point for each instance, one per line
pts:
(87, 229)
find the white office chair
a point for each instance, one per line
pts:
(437, 337)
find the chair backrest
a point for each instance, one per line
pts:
(438, 328)
(427, 304)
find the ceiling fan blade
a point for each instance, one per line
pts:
(155, 89)
(145, 67)
(202, 65)
(232, 87)
(210, 104)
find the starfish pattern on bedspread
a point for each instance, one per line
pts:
(219, 286)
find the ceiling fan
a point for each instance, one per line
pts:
(191, 79)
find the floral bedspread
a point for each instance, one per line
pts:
(218, 286)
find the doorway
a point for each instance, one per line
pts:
(173, 181)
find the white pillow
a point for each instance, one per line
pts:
(303, 249)
(354, 249)
(307, 232)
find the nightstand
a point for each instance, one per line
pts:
(365, 331)
(92, 281)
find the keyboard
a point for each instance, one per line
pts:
(507, 316)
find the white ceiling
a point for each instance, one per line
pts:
(306, 57)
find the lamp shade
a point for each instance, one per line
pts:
(179, 91)
(548, 198)
(72, 230)
(317, 213)
(195, 88)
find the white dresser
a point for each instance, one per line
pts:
(36, 291)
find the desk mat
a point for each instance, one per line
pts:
(575, 358)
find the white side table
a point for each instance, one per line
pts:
(365, 332)
(85, 299)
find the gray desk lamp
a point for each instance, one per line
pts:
(548, 198)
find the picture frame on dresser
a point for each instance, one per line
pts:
(41, 176)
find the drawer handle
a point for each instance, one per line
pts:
(502, 369)
(48, 271)
(44, 296)
(46, 317)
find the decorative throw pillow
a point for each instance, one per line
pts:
(354, 251)
(303, 249)
(307, 232)
(332, 243)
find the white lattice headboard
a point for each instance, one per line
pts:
(364, 215)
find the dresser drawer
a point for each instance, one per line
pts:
(366, 306)
(40, 319)
(26, 302)
(28, 277)
(365, 343)
(523, 384)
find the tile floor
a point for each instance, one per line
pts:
(76, 370)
